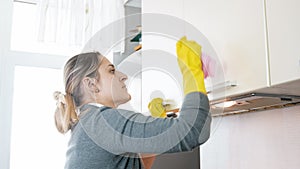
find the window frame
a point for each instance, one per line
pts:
(8, 60)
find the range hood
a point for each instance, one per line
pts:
(279, 96)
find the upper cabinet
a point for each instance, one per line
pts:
(236, 31)
(235, 28)
(255, 42)
(161, 76)
(283, 26)
(169, 7)
(157, 19)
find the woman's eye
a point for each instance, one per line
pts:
(112, 71)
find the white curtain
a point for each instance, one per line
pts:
(75, 22)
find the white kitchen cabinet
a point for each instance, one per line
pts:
(283, 21)
(169, 7)
(236, 29)
(161, 76)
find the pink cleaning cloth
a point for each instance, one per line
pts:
(208, 65)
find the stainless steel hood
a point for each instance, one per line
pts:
(279, 96)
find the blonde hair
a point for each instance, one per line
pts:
(76, 68)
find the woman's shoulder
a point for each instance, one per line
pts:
(93, 109)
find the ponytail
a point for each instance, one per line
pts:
(76, 68)
(65, 115)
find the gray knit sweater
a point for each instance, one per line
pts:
(106, 138)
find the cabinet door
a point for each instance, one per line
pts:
(235, 28)
(283, 18)
(169, 7)
(161, 76)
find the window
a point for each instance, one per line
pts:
(35, 142)
(30, 73)
(24, 33)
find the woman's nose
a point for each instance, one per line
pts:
(123, 77)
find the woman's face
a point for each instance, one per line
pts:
(112, 84)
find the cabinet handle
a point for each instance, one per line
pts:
(221, 86)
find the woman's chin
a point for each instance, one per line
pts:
(125, 99)
(129, 97)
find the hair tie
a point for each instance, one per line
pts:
(59, 97)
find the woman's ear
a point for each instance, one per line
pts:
(90, 84)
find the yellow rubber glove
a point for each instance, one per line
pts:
(156, 108)
(189, 61)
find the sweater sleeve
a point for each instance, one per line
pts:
(121, 131)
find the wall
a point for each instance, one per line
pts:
(260, 140)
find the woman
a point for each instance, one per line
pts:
(103, 136)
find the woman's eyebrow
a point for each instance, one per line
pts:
(111, 65)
